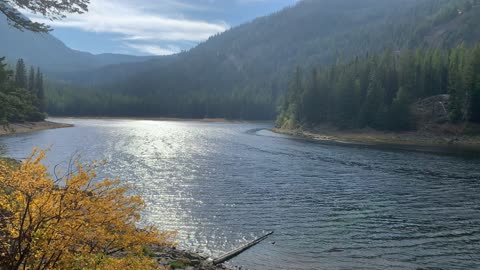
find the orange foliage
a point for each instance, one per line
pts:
(77, 224)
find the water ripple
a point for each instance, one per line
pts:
(331, 207)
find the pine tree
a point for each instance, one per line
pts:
(408, 75)
(359, 93)
(390, 77)
(17, 104)
(21, 74)
(40, 91)
(438, 77)
(374, 104)
(399, 116)
(474, 105)
(455, 88)
(310, 98)
(347, 100)
(31, 80)
(5, 74)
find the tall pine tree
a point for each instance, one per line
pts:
(474, 105)
(455, 87)
(21, 74)
(31, 80)
(40, 91)
(374, 103)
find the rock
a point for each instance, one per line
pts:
(184, 260)
(195, 262)
(163, 261)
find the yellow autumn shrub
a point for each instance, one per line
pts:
(70, 223)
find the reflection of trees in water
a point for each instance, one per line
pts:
(3, 151)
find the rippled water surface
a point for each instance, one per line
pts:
(331, 207)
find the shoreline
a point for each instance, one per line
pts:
(26, 127)
(172, 119)
(182, 259)
(419, 141)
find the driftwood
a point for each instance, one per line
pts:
(238, 251)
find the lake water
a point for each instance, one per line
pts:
(331, 207)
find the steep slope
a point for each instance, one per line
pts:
(242, 72)
(310, 32)
(51, 54)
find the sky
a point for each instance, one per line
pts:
(155, 27)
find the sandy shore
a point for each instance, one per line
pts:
(413, 140)
(17, 128)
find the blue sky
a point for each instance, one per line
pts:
(155, 27)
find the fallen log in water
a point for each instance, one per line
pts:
(239, 250)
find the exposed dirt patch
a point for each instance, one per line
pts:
(16, 128)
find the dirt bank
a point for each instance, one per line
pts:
(412, 140)
(16, 128)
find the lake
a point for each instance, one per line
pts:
(331, 207)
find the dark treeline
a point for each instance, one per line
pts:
(21, 94)
(378, 90)
(69, 100)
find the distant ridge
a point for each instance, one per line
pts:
(51, 54)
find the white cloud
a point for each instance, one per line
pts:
(137, 22)
(154, 49)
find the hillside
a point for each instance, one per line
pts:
(242, 73)
(51, 54)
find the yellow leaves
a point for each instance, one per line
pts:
(50, 226)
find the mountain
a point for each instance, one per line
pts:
(49, 53)
(242, 73)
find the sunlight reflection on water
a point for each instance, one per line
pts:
(331, 207)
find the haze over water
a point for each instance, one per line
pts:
(331, 207)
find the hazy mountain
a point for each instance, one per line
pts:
(51, 54)
(320, 31)
(242, 72)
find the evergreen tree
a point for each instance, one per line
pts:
(372, 108)
(408, 75)
(390, 76)
(380, 91)
(346, 101)
(439, 73)
(17, 104)
(310, 98)
(474, 105)
(21, 74)
(399, 115)
(455, 87)
(40, 90)
(31, 80)
(5, 74)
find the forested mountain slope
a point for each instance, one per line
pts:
(49, 53)
(242, 73)
(389, 91)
